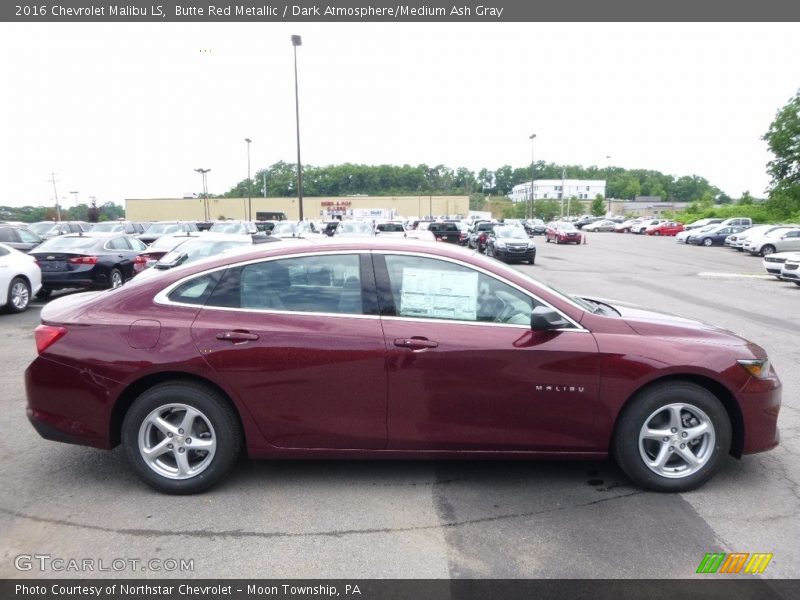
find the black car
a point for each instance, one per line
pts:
(88, 261)
(19, 238)
(447, 231)
(534, 226)
(48, 229)
(511, 244)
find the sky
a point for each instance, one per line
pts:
(121, 110)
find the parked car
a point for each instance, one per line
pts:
(625, 226)
(738, 222)
(510, 243)
(156, 230)
(228, 356)
(642, 226)
(354, 229)
(600, 225)
(202, 246)
(20, 278)
(19, 238)
(390, 229)
(479, 235)
(48, 229)
(712, 237)
(562, 232)
(738, 240)
(665, 228)
(88, 260)
(293, 229)
(586, 220)
(781, 239)
(166, 243)
(790, 271)
(446, 231)
(534, 226)
(773, 263)
(700, 223)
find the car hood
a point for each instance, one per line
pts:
(658, 324)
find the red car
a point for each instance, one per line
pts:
(667, 228)
(562, 232)
(389, 349)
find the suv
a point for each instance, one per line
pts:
(479, 235)
(446, 232)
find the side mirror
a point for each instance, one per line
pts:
(546, 319)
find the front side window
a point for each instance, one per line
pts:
(327, 283)
(436, 289)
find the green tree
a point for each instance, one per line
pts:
(598, 208)
(783, 139)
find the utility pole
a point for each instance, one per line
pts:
(532, 197)
(55, 193)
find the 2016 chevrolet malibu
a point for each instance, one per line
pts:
(236, 355)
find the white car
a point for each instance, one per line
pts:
(791, 270)
(642, 227)
(773, 263)
(741, 238)
(780, 239)
(20, 279)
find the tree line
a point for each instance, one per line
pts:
(82, 212)
(350, 179)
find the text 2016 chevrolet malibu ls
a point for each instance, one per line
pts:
(389, 349)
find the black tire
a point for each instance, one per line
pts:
(216, 411)
(796, 282)
(115, 276)
(656, 233)
(708, 242)
(44, 293)
(626, 444)
(532, 260)
(767, 250)
(19, 295)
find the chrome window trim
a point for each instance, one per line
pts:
(162, 297)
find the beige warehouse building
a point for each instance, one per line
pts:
(199, 209)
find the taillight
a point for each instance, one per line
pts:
(83, 260)
(47, 335)
(140, 263)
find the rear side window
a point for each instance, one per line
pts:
(195, 291)
(328, 284)
(7, 235)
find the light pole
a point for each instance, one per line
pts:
(608, 166)
(530, 210)
(75, 197)
(249, 211)
(203, 172)
(298, 41)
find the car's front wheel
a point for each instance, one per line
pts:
(708, 242)
(181, 437)
(672, 437)
(767, 250)
(116, 278)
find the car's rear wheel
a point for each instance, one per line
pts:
(656, 233)
(708, 242)
(672, 437)
(181, 437)
(767, 250)
(19, 295)
(116, 278)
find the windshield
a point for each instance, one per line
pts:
(354, 227)
(286, 228)
(164, 228)
(511, 232)
(194, 250)
(66, 244)
(228, 228)
(42, 228)
(566, 227)
(107, 227)
(391, 227)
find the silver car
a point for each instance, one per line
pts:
(791, 271)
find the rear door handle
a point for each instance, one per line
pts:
(237, 337)
(416, 343)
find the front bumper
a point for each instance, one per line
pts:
(506, 255)
(760, 402)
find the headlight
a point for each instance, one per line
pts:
(758, 368)
(531, 245)
(500, 244)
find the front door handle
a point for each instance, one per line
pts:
(415, 343)
(237, 337)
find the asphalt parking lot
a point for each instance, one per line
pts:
(342, 519)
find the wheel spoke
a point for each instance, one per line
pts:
(182, 460)
(661, 459)
(188, 420)
(675, 416)
(655, 434)
(150, 454)
(696, 432)
(204, 445)
(165, 426)
(687, 455)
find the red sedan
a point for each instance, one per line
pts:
(666, 228)
(562, 232)
(389, 349)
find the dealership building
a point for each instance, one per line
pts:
(200, 209)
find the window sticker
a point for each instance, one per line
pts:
(439, 294)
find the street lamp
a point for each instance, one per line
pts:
(249, 210)
(530, 210)
(206, 212)
(608, 166)
(297, 41)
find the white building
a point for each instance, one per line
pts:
(551, 189)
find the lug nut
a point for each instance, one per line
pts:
(673, 430)
(170, 446)
(683, 446)
(169, 434)
(188, 440)
(181, 450)
(180, 431)
(666, 439)
(672, 449)
(684, 434)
